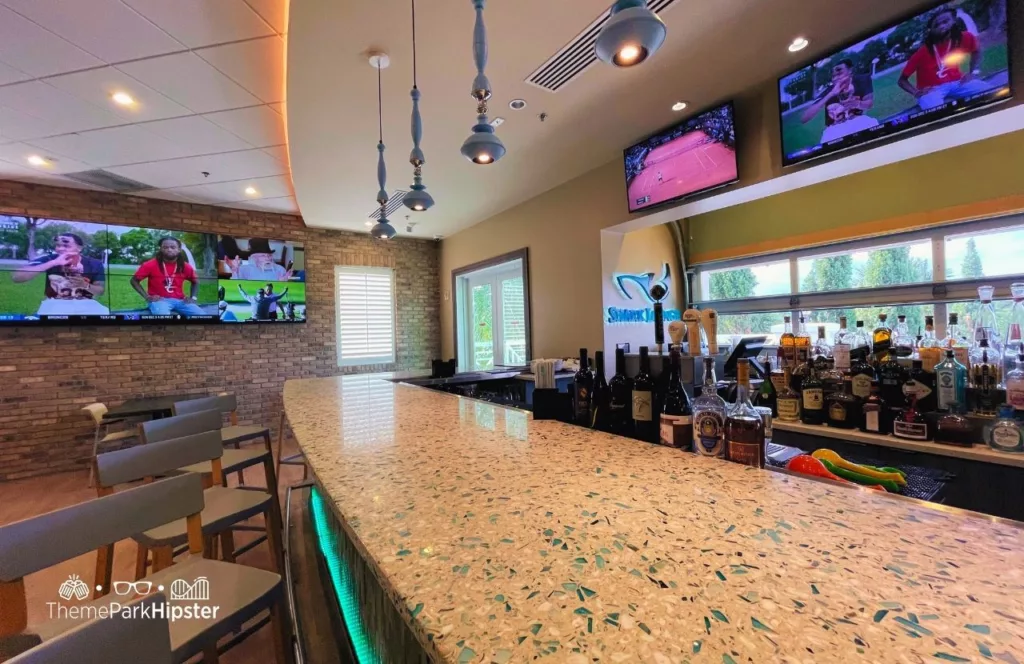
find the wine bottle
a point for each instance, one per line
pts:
(676, 412)
(602, 397)
(620, 408)
(644, 426)
(768, 396)
(583, 386)
(744, 428)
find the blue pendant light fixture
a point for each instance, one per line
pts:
(417, 200)
(383, 230)
(632, 34)
(482, 146)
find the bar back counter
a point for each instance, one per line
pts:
(462, 531)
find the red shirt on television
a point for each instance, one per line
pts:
(941, 64)
(165, 279)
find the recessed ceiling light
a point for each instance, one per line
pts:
(799, 44)
(251, 191)
(369, 223)
(679, 106)
(36, 160)
(122, 99)
(517, 104)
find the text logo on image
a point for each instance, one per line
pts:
(74, 587)
(198, 590)
(140, 588)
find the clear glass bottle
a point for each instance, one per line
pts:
(957, 340)
(881, 339)
(860, 347)
(803, 343)
(1015, 385)
(930, 348)
(842, 335)
(744, 428)
(821, 348)
(1005, 435)
(1014, 341)
(902, 340)
(954, 428)
(986, 326)
(709, 416)
(788, 400)
(951, 380)
(985, 376)
(787, 343)
(676, 411)
(778, 374)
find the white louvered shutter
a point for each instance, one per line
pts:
(366, 315)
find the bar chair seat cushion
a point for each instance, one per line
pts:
(224, 507)
(239, 433)
(232, 460)
(239, 591)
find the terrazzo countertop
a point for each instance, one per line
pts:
(503, 539)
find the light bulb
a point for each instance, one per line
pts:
(483, 159)
(629, 53)
(122, 99)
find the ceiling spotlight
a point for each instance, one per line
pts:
(632, 34)
(122, 99)
(250, 191)
(36, 160)
(799, 44)
(679, 106)
(517, 104)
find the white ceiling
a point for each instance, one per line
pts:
(715, 49)
(207, 77)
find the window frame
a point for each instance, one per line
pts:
(938, 292)
(342, 361)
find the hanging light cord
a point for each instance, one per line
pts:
(414, 44)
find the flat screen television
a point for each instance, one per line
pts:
(62, 272)
(934, 65)
(692, 157)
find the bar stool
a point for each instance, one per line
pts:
(297, 459)
(224, 507)
(233, 434)
(241, 593)
(103, 434)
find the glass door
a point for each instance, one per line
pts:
(491, 317)
(482, 335)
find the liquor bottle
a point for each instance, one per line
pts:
(798, 375)
(1015, 385)
(787, 343)
(860, 345)
(812, 399)
(831, 378)
(744, 428)
(821, 348)
(876, 414)
(778, 373)
(951, 378)
(902, 341)
(843, 410)
(842, 343)
(709, 416)
(987, 327)
(930, 349)
(583, 388)
(620, 409)
(862, 375)
(920, 385)
(891, 377)
(842, 335)
(767, 396)
(676, 412)
(881, 340)
(955, 429)
(985, 377)
(788, 400)
(1014, 341)
(957, 339)
(1005, 435)
(644, 425)
(803, 343)
(910, 424)
(601, 396)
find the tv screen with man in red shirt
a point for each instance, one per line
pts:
(931, 66)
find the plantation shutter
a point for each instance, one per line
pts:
(366, 315)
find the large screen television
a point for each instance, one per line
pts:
(63, 272)
(692, 157)
(932, 66)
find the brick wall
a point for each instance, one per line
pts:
(48, 374)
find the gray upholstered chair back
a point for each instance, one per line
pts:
(223, 403)
(152, 459)
(113, 640)
(180, 426)
(45, 540)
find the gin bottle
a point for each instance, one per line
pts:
(951, 380)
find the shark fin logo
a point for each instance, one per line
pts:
(645, 284)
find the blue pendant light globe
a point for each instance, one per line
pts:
(483, 147)
(383, 230)
(632, 34)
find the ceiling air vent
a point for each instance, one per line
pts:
(575, 57)
(108, 180)
(394, 203)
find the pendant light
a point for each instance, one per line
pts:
(417, 200)
(632, 34)
(383, 230)
(482, 146)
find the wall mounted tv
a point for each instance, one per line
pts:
(75, 272)
(932, 66)
(694, 156)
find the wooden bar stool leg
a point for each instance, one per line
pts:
(210, 655)
(141, 561)
(227, 545)
(273, 523)
(282, 632)
(280, 446)
(104, 571)
(163, 557)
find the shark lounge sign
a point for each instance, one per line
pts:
(637, 288)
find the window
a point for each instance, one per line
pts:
(492, 313)
(932, 272)
(365, 302)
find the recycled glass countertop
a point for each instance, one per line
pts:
(504, 539)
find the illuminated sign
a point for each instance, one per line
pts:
(644, 284)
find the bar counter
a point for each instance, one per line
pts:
(499, 538)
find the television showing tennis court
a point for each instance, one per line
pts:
(694, 156)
